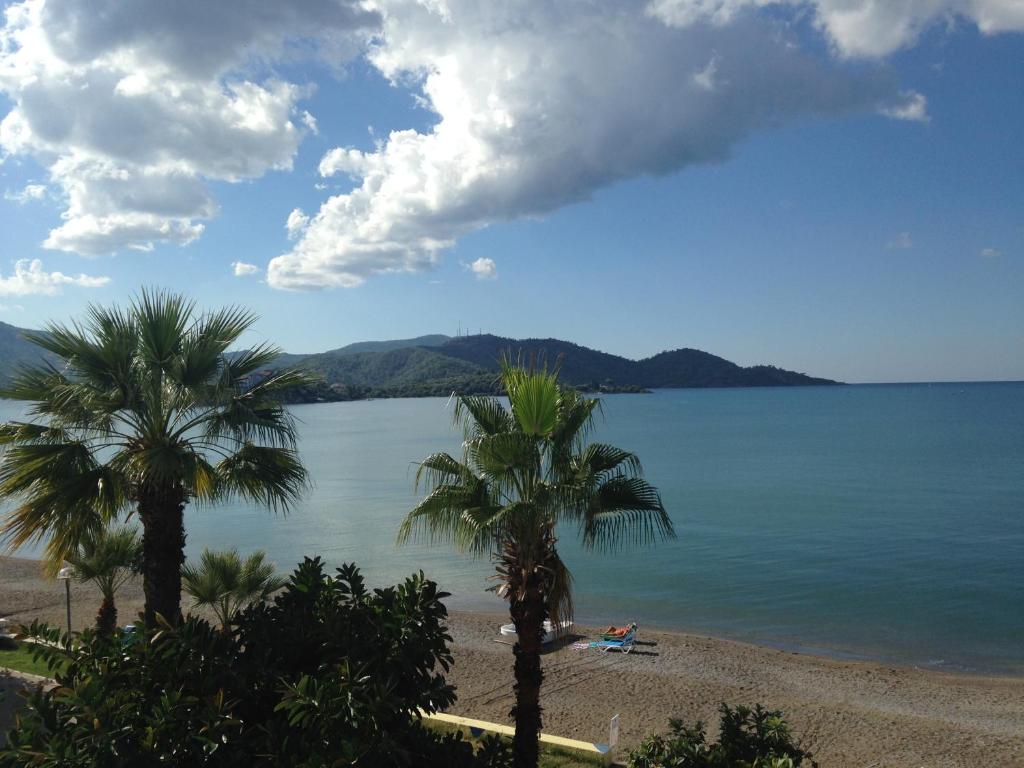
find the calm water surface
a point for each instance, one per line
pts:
(877, 521)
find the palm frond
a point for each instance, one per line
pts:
(600, 460)
(272, 477)
(575, 419)
(246, 419)
(244, 363)
(62, 509)
(161, 319)
(481, 415)
(534, 398)
(439, 468)
(503, 454)
(463, 514)
(625, 511)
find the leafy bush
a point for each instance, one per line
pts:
(749, 738)
(328, 674)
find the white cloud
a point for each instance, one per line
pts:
(991, 253)
(914, 108)
(539, 105)
(863, 28)
(900, 242)
(29, 279)
(483, 268)
(297, 221)
(30, 193)
(242, 269)
(133, 107)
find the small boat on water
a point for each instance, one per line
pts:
(551, 631)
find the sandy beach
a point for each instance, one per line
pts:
(850, 714)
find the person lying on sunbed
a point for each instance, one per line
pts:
(616, 633)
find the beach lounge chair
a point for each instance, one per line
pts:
(623, 644)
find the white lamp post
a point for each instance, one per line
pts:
(65, 575)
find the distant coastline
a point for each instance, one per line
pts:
(438, 366)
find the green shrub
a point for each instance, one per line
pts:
(749, 738)
(328, 674)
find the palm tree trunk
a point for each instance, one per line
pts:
(106, 619)
(528, 616)
(162, 512)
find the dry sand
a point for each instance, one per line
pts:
(850, 714)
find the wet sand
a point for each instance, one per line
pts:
(850, 714)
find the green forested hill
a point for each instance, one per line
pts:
(439, 365)
(470, 363)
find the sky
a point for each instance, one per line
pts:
(832, 186)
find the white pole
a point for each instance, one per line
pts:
(613, 736)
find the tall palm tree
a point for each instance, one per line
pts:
(225, 583)
(146, 412)
(524, 470)
(108, 558)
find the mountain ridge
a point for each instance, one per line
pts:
(436, 364)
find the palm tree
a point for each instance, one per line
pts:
(225, 583)
(146, 412)
(523, 471)
(108, 558)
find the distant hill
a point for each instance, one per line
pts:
(439, 365)
(583, 366)
(15, 350)
(469, 364)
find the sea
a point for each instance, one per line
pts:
(881, 522)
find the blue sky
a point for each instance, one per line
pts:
(771, 184)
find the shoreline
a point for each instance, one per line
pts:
(1011, 670)
(850, 713)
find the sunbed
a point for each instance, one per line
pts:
(624, 644)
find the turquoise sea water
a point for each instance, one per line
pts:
(882, 521)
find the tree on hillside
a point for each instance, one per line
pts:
(523, 471)
(108, 558)
(146, 412)
(226, 584)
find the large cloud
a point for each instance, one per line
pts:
(859, 27)
(132, 106)
(541, 103)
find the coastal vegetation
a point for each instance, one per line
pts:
(225, 583)
(748, 738)
(525, 470)
(108, 557)
(330, 673)
(145, 412)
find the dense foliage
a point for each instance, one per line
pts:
(749, 738)
(328, 674)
